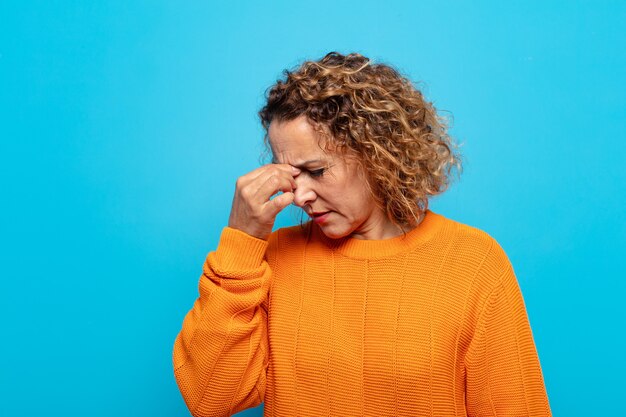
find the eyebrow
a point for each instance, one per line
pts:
(304, 164)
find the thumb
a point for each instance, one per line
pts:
(278, 203)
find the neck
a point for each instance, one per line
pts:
(384, 229)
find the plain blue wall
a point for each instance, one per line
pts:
(124, 125)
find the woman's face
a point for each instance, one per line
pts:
(330, 188)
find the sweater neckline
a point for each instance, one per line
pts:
(375, 249)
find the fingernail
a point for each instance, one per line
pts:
(295, 170)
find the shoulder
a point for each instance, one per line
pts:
(474, 259)
(476, 248)
(292, 237)
(291, 234)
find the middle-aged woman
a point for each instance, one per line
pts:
(378, 306)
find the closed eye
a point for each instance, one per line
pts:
(317, 172)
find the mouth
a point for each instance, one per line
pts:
(319, 217)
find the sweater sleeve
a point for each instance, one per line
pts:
(220, 356)
(503, 374)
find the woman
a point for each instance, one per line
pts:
(377, 306)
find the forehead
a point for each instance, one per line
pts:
(295, 140)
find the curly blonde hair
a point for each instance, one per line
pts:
(370, 109)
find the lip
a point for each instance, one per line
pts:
(320, 217)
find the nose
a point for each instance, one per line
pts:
(304, 193)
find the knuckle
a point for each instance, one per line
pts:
(274, 180)
(245, 192)
(277, 202)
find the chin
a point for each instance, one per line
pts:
(334, 233)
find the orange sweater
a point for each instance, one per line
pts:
(428, 324)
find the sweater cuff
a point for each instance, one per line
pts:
(238, 250)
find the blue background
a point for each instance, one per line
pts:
(124, 125)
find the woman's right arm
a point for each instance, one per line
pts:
(221, 354)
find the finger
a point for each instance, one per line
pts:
(272, 185)
(278, 203)
(286, 168)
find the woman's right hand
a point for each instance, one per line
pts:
(253, 210)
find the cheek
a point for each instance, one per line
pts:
(353, 199)
(346, 191)
(361, 199)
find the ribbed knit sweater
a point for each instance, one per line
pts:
(431, 323)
